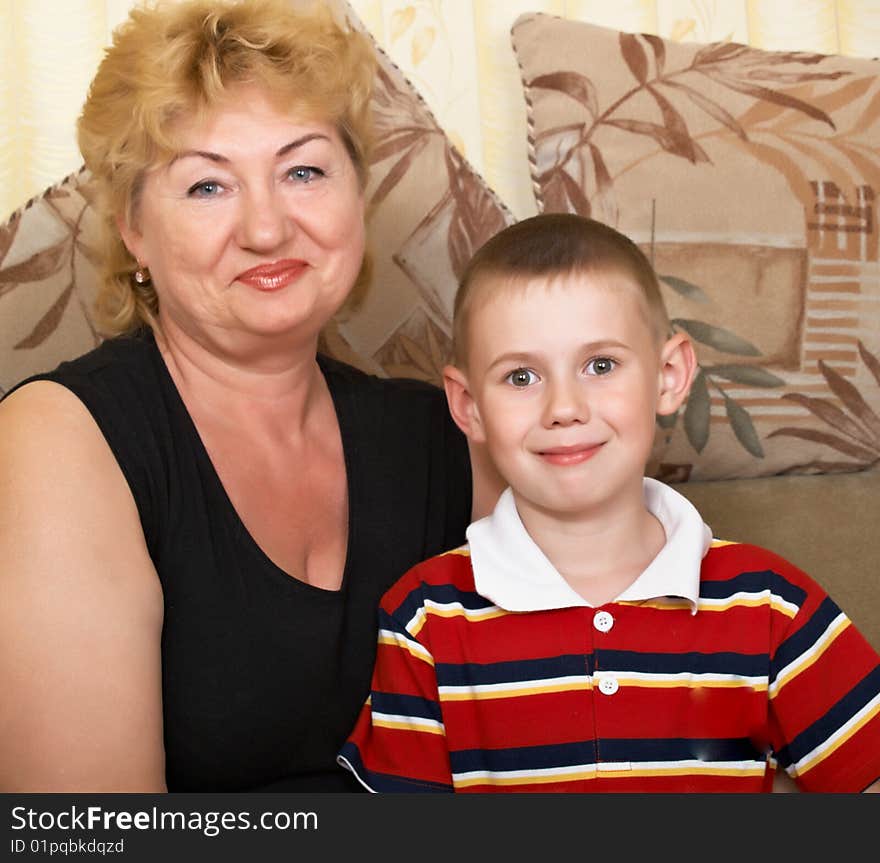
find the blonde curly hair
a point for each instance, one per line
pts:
(178, 58)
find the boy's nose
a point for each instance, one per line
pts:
(566, 404)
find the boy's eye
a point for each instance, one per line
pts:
(305, 173)
(204, 189)
(522, 377)
(601, 366)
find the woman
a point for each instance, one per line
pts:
(197, 518)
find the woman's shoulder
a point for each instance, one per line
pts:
(71, 407)
(119, 358)
(118, 394)
(50, 441)
(40, 408)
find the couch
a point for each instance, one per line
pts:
(749, 177)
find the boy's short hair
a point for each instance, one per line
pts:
(554, 244)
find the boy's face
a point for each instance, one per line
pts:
(563, 384)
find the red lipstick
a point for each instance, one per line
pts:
(271, 277)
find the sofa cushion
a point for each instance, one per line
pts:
(823, 524)
(48, 278)
(750, 178)
(428, 210)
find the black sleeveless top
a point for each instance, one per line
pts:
(263, 675)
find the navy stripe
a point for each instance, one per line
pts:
(393, 624)
(800, 641)
(692, 662)
(839, 715)
(442, 594)
(609, 750)
(523, 757)
(385, 782)
(476, 674)
(681, 749)
(754, 582)
(622, 661)
(405, 705)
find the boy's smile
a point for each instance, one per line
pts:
(568, 455)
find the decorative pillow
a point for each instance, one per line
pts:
(48, 280)
(428, 211)
(750, 178)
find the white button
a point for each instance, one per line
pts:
(603, 621)
(608, 685)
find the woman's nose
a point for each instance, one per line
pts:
(567, 403)
(263, 221)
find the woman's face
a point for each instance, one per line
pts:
(256, 227)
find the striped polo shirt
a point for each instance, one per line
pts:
(719, 664)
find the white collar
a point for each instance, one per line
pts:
(511, 571)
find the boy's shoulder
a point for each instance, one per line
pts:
(739, 568)
(443, 579)
(726, 558)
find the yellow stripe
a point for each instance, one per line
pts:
(663, 603)
(519, 692)
(775, 602)
(734, 602)
(465, 694)
(472, 615)
(668, 604)
(405, 644)
(526, 780)
(692, 684)
(821, 756)
(758, 770)
(785, 679)
(639, 773)
(414, 627)
(751, 603)
(420, 618)
(407, 726)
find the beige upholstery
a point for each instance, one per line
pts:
(824, 524)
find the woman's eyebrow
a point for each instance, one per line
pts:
(299, 142)
(281, 152)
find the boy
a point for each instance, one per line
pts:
(592, 636)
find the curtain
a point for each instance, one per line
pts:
(456, 52)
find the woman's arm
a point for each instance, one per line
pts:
(81, 616)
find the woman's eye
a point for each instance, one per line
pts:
(522, 377)
(204, 189)
(305, 173)
(601, 366)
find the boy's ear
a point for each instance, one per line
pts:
(678, 365)
(461, 404)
